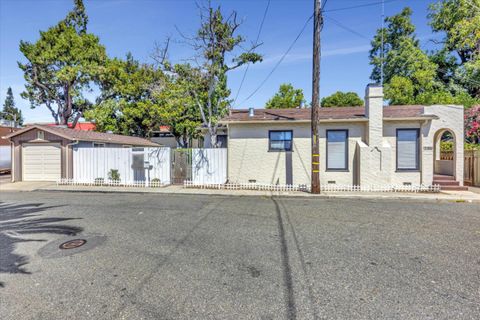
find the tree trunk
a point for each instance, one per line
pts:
(213, 138)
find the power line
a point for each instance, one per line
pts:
(256, 43)
(279, 61)
(338, 23)
(359, 6)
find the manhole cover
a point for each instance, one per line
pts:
(72, 244)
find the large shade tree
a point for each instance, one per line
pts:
(219, 49)
(342, 99)
(286, 97)
(62, 66)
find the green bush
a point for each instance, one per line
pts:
(113, 175)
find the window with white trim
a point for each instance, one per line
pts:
(337, 149)
(408, 149)
(280, 140)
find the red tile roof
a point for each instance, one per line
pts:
(81, 135)
(340, 113)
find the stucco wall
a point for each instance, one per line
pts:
(249, 158)
(451, 118)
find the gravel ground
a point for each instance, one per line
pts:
(152, 256)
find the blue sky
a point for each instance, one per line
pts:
(135, 25)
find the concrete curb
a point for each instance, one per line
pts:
(445, 198)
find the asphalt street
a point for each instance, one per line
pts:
(158, 256)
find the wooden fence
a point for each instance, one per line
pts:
(471, 167)
(133, 164)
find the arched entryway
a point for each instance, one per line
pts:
(445, 159)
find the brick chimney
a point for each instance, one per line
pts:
(374, 113)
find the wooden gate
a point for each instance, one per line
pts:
(181, 165)
(472, 168)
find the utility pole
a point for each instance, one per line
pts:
(317, 27)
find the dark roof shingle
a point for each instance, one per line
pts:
(340, 113)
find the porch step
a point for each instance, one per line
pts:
(442, 177)
(446, 182)
(454, 188)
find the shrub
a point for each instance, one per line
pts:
(113, 175)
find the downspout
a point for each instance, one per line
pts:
(68, 159)
(12, 161)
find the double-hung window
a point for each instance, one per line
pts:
(408, 149)
(337, 149)
(280, 140)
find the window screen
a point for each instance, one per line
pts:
(337, 149)
(280, 140)
(407, 149)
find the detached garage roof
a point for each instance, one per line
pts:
(325, 114)
(79, 135)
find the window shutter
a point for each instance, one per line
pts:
(407, 149)
(337, 148)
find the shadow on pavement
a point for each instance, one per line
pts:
(19, 220)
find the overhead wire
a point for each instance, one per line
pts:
(255, 44)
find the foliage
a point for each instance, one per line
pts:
(113, 175)
(411, 76)
(459, 22)
(61, 66)
(286, 97)
(125, 102)
(10, 112)
(472, 125)
(448, 146)
(342, 99)
(215, 43)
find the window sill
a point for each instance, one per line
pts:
(407, 170)
(337, 170)
(279, 150)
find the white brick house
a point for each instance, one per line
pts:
(371, 145)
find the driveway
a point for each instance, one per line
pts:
(154, 256)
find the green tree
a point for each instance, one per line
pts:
(62, 65)
(10, 112)
(219, 50)
(342, 99)
(124, 105)
(286, 97)
(459, 57)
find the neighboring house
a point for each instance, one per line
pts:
(84, 126)
(166, 138)
(5, 148)
(371, 145)
(45, 153)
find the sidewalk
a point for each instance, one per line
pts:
(449, 196)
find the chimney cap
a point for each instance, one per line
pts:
(251, 112)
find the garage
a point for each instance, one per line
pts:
(41, 162)
(45, 153)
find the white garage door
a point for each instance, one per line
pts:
(41, 162)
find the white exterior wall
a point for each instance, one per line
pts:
(356, 133)
(368, 164)
(390, 137)
(451, 118)
(5, 157)
(249, 158)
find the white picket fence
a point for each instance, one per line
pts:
(209, 166)
(94, 164)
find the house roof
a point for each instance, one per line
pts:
(5, 131)
(335, 113)
(81, 135)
